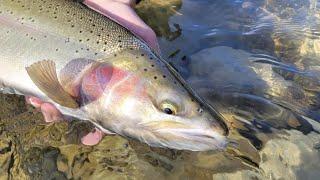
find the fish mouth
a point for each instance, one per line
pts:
(185, 136)
(194, 139)
(189, 135)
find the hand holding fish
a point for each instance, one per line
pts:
(121, 11)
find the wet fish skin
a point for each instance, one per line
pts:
(121, 85)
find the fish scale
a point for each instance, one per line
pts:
(58, 30)
(63, 53)
(72, 21)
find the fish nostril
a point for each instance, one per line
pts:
(200, 110)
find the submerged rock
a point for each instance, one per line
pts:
(233, 76)
(292, 156)
(6, 154)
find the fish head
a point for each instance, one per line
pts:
(143, 100)
(169, 117)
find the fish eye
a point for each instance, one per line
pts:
(168, 108)
(168, 111)
(200, 110)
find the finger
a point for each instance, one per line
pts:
(92, 138)
(50, 113)
(131, 3)
(148, 35)
(35, 102)
(127, 17)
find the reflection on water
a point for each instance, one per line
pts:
(256, 61)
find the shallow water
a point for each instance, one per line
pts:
(257, 62)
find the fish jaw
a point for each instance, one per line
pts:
(197, 132)
(181, 135)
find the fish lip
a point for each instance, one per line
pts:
(213, 141)
(199, 133)
(198, 138)
(219, 142)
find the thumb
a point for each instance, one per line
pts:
(124, 14)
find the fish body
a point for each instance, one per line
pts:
(92, 68)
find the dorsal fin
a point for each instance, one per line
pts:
(44, 76)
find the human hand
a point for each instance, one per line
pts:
(122, 12)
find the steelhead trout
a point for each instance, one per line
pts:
(92, 68)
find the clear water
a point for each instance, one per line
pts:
(257, 58)
(256, 61)
(281, 39)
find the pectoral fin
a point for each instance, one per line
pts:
(44, 76)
